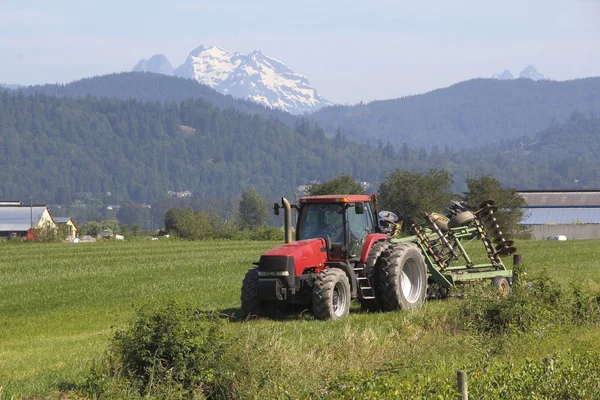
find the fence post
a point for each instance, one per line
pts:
(463, 386)
(517, 259)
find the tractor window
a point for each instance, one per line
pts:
(360, 227)
(321, 220)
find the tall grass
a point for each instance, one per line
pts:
(61, 303)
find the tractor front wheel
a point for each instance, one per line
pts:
(250, 303)
(331, 294)
(403, 279)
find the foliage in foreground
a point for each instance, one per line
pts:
(173, 350)
(564, 376)
(176, 351)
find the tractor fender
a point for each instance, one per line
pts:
(345, 266)
(369, 242)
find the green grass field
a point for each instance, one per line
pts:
(60, 304)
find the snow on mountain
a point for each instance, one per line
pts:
(158, 64)
(255, 76)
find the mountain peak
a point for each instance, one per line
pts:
(528, 73)
(158, 63)
(506, 75)
(255, 77)
(531, 73)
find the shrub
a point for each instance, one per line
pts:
(531, 306)
(172, 349)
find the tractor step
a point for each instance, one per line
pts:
(365, 288)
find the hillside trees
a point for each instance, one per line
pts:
(344, 184)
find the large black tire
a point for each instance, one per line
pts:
(463, 219)
(250, 304)
(331, 294)
(403, 277)
(370, 271)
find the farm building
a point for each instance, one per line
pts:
(17, 219)
(552, 213)
(67, 225)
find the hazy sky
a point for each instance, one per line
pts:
(349, 50)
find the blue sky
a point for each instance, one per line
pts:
(349, 50)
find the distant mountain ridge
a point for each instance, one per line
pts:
(255, 77)
(9, 86)
(465, 115)
(157, 64)
(152, 87)
(528, 73)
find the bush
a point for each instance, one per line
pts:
(172, 349)
(566, 376)
(534, 306)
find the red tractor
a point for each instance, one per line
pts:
(340, 253)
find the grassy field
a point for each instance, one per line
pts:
(60, 304)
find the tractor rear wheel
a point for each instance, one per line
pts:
(331, 294)
(403, 277)
(370, 271)
(250, 303)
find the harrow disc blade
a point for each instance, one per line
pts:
(496, 234)
(502, 239)
(488, 210)
(486, 203)
(506, 251)
(506, 243)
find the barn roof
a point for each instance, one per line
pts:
(567, 215)
(560, 198)
(19, 218)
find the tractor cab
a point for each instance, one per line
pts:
(343, 221)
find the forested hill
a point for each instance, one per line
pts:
(53, 148)
(562, 156)
(146, 86)
(469, 114)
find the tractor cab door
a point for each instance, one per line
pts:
(361, 223)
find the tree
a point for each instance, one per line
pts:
(92, 228)
(344, 184)
(411, 194)
(510, 204)
(188, 224)
(253, 210)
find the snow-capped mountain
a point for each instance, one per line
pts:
(528, 73)
(255, 77)
(158, 64)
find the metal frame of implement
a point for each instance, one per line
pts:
(442, 249)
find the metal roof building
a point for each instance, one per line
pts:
(17, 219)
(573, 213)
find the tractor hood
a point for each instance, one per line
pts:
(302, 254)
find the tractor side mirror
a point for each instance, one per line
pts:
(276, 208)
(359, 208)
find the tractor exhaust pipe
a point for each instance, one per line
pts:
(287, 217)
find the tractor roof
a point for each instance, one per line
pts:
(336, 198)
